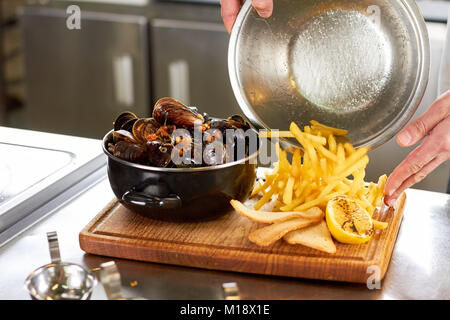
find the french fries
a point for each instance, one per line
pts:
(324, 168)
(275, 134)
(323, 128)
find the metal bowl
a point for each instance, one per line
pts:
(60, 281)
(360, 65)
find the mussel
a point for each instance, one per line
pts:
(132, 152)
(128, 126)
(159, 153)
(239, 122)
(124, 120)
(143, 128)
(123, 135)
(170, 111)
(234, 122)
(221, 125)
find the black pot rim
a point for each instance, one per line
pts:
(173, 170)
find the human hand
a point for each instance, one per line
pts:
(231, 8)
(434, 126)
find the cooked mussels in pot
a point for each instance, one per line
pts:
(177, 136)
(170, 111)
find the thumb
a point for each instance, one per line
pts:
(263, 7)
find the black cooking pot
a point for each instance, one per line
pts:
(179, 194)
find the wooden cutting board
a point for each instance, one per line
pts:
(223, 245)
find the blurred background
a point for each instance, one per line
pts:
(129, 53)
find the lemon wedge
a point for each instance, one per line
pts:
(348, 222)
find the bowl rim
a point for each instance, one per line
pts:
(390, 129)
(173, 170)
(41, 269)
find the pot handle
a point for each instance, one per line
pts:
(144, 200)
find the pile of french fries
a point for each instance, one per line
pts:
(324, 169)
(299, 190)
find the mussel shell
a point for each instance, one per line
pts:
(233, 122)
(144, 127)
(128, 126)
(171, 111)
(222, 125)
(238, 121)
(111, 147)
(171, 101)
(123, 118)
(132, 152)
(123, 135)
(159, 153)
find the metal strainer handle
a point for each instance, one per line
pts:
(53, 245)
(110, 278)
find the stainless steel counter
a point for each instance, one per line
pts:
(36, 171)
(419, 267)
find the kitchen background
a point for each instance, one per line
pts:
(129, 53)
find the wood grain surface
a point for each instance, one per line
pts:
(223, 245)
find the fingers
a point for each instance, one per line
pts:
(419, 128)
(263, 7)
(229, 11)
(412, 180)
(413, 163)
(433, 151)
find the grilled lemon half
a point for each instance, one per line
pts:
(348, 222)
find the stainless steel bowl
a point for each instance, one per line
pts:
(360, 65)
(60, 281)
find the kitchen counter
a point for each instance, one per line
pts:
(418, 270)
